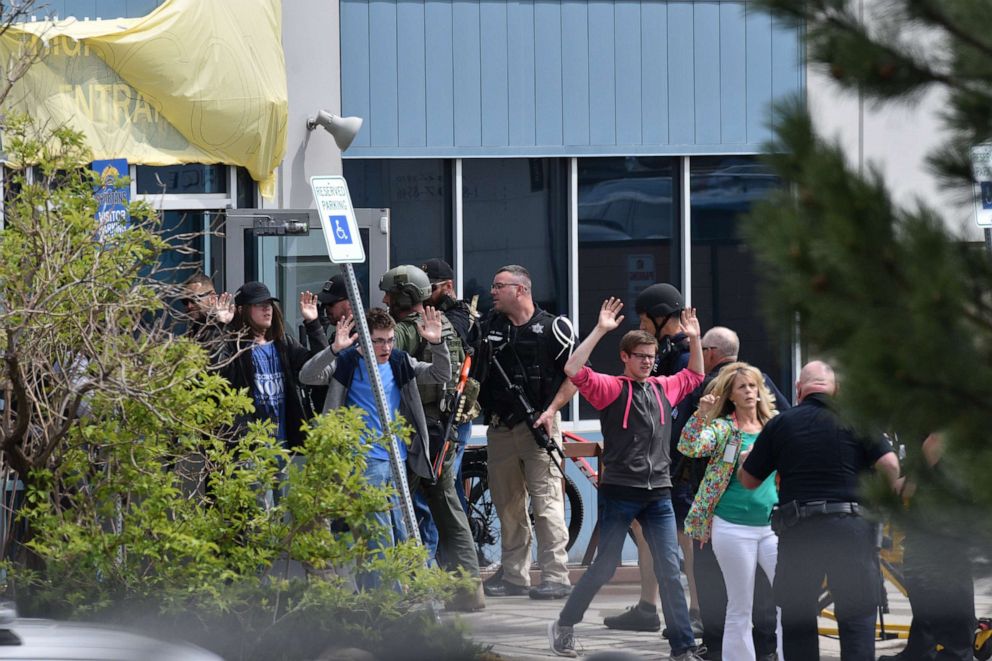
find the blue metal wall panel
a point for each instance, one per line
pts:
(411, 75)
(602, 74)
(575, 72)
(759, 67)
(654, 73)
(548, 72)
(495, 76)
(384, 95)
(706, 71)
(439, 34)
(475, 78)
(627, 36)
(521, 100)
(786, 48)
(467, 72)
(733, 74)
(681, 75)
(356, 77)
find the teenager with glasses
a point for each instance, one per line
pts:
(343, 368)
(636, 419)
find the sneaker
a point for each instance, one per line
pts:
(562, 639)
(504, 589)
(688, 655)
(549, 590)
(634, 619)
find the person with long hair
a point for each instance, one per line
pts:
(264, 359)
(730, 416)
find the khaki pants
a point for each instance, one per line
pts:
(518, 468)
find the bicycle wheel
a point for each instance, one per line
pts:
(482, 512)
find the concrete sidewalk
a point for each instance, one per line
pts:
(516, 627)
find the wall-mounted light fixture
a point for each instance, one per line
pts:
(342, 129)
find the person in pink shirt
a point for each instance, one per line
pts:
(636, 419)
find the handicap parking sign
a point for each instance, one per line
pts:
(339, 229)
(337, 220)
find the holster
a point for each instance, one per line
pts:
(784, 517)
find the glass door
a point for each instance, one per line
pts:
(292, 263)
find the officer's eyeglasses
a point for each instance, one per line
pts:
(496, 286)
(383, 341)
(643, 356)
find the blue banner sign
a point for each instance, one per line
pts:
(112, 198)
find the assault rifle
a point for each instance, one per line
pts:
(454, 411)
(530, 415)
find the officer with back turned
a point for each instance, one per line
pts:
(819, 520)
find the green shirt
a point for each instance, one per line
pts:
(747, 507)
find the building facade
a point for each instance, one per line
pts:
(603, 144)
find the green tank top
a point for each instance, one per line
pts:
(747, 507)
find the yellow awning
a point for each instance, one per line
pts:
(195, 81)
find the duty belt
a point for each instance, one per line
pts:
(821, 507)
(789, 514)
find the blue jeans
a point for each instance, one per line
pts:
(379, 474)
(657, 520)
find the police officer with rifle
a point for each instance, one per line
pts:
(530, 347)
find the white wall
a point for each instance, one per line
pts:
(897, 139)
(311, 42)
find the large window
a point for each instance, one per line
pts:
(515, 212)
(418, 194)
(724, 277)
(628, 239)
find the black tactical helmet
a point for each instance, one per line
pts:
(407, 285)
(659, 300)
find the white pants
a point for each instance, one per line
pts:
(739, 550)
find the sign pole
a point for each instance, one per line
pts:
(344, 247)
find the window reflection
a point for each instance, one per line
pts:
(724, 276)
(628, 239)
(181, 179)
(418, 194)
(515, 212)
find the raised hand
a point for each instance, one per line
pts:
(690, 323)
(343, 335)
(308, 306)
(222, 307)
(429, 325)
(706, 404)
(609, 314)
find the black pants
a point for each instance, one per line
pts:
(942, 593)
(711, 592)
(840, 547)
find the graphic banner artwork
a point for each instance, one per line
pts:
(191, 82)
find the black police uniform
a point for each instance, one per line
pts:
(821, 532)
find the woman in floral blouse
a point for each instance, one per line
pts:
(730, 416)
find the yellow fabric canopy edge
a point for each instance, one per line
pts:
(194, 81)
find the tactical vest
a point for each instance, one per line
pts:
(432, 394)
(527, 353)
